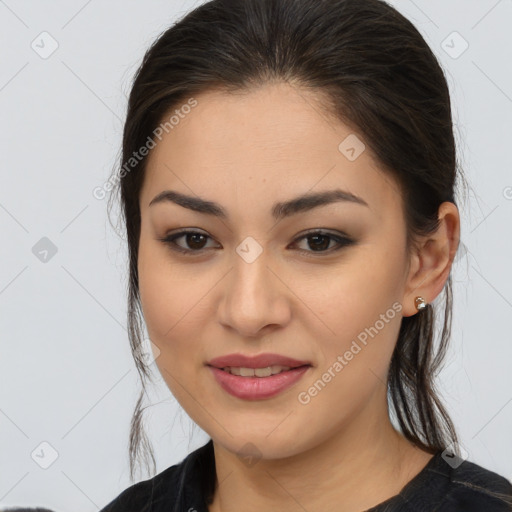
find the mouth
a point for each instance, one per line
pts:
(257, 383)
(266, 371)
(262, 365)
(257, 377)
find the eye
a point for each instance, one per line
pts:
(321, 240)
(196, 241)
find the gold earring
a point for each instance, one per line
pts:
(420, 303)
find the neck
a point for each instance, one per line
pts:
(364, 464)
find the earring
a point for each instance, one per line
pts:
(420, 303)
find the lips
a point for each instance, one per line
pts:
(258, 388)
(259, 361)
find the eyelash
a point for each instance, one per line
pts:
(343, 241)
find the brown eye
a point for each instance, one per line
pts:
(320, 242)
(193, 241)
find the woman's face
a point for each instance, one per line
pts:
(255, 281)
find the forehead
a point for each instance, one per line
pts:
(276, 139)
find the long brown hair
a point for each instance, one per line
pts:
(381, 78)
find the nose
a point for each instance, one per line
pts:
(255, 299)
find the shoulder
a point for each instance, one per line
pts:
(139, 497)
(474, 488)
(191, 481)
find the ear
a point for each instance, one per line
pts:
(432, 259)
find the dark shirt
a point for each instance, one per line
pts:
(439, 487)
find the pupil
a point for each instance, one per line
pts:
(321, 246)
(191, 236)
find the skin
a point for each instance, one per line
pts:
(246, 152)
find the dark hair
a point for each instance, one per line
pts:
(18, 509)
(379, 77)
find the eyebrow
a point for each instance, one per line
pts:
(281, 210)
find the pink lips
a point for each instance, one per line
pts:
(259, 361)
(257, 388)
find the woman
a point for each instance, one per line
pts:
(288, 189)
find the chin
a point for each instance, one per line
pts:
(253, 447)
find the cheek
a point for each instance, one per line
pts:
(174, 305)
(361, 310)
(355, 359)
(166, 293)
(166, 302)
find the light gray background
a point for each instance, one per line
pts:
(66, 373)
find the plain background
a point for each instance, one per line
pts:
(66, 374)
